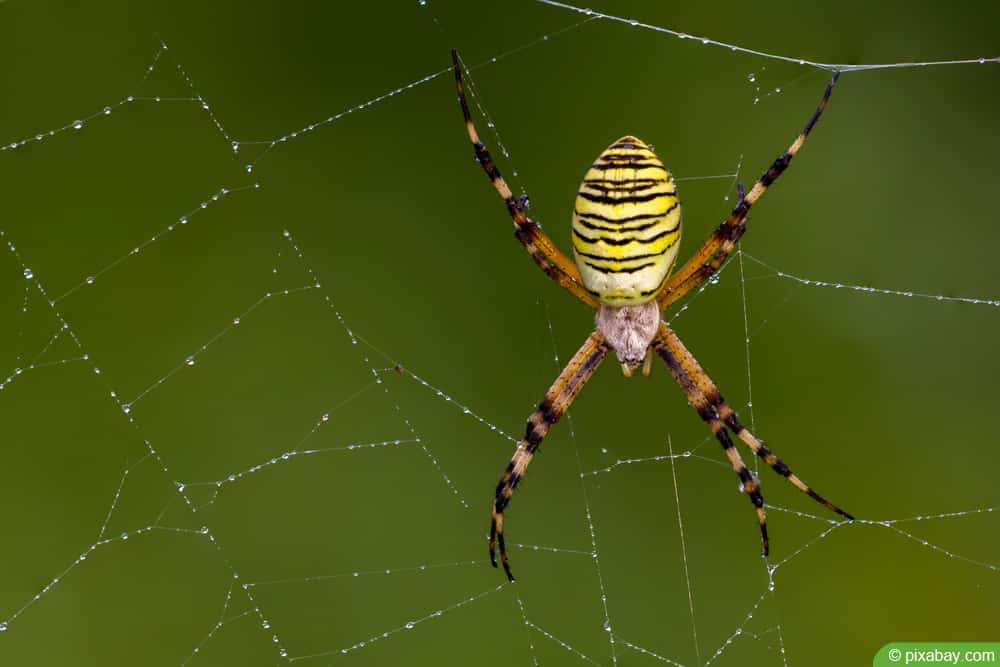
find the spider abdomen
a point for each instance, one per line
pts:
(626, 224)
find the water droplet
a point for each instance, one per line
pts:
(189, 361)
(124, 536)
(89, 280)
(126, 408)
(283, 653)
(409, 625)
(180, 487)
(325, 417)
(423, 3)
(28, 274)
(3, 626)
(265, 624)
(236, 320)
(107, 111)
(77, 124)
(249, 168)
(204, 530)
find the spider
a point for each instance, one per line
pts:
(626, 230)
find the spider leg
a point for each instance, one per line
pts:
(717, 248)
(546, 255)
(669, 339)
(749, 484)
(557, 400)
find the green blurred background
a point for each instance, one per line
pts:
(887, 404)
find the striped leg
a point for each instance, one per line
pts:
(749, 484)
(713, 254)
(693, 370)
(557, 400)
(546, 255)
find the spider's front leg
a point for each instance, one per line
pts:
(749, 484)
(557, 400)
(714, 398)
(705, 397)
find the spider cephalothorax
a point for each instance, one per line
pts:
(626, 233)
(629, 331)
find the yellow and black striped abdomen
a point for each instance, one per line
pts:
(626, 224)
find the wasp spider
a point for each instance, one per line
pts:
(626, 233)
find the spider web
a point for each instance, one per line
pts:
(268, 343)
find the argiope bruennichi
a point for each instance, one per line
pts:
(626, 233)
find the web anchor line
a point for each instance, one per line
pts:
(831, 67)
(872, 290)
